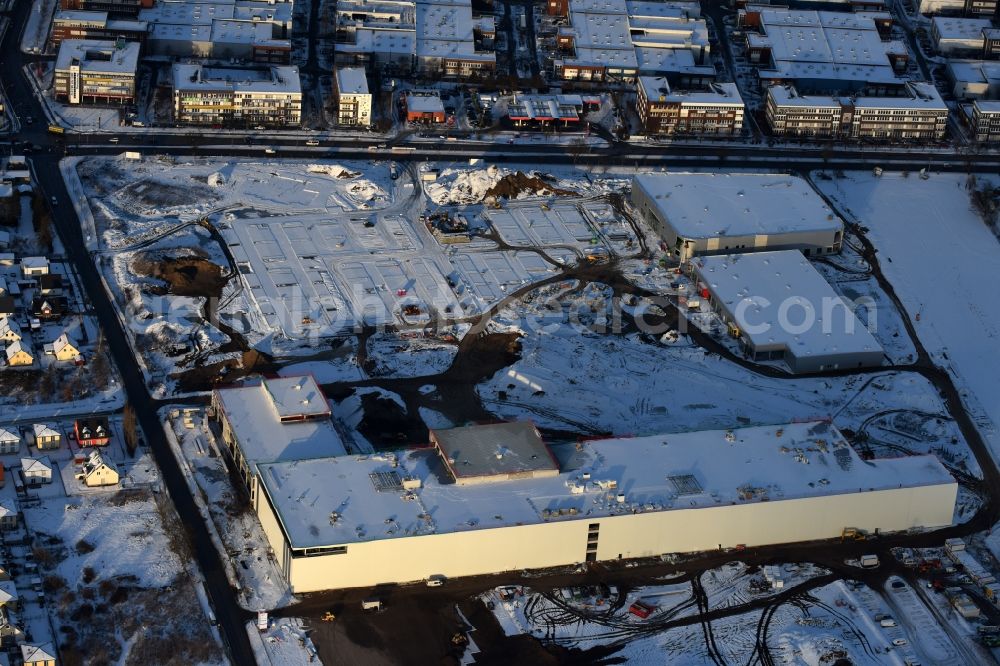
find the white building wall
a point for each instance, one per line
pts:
(628, 536)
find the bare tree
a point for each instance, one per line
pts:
(131, 429)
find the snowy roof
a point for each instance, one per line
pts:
(982, 106)
(34, 262)
(294, 398)
(273, 80)
(424, 103)
(15, 348)
(923, 96)
(973, 71)
(492, 450)
(99, 56)
(8, 436)
(80, 17)
(717, 205)
(62, 342)
(950, 27)
(657, 89)
(9, 326)
(37, 653)
(43, 430)
(254, 418)
(825, 45)
(42, 464)
(333, 501)
(8, 591)
(758, 287)
(352, 81)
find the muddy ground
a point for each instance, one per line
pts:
(192, 276)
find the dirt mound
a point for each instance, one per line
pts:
(185, 276)
(513, 185)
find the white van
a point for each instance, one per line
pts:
(435, 581)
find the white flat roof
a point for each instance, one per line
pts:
(949, 27)
(91, 54)
(711, 205)
(337, 501)
(352, 81)
(284, 80)
(424, 103)
(756, 287)
(718, 94)
(253, 416)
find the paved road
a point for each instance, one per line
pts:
(49, 179)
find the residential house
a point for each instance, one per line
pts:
(9, 597)
(51, 308)
(46, 437)
(50, 284)
(37, 470)
(93, 431)
(97, 472)
(10, 331)
(11, 634)
(18, 354)
(8, 517)
(34, 266)
(38, 655)
(64, 348)
(9, 441)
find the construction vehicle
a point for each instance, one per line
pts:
(328, 617)
(854, 534)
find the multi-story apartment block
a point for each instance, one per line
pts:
(96, 72)
(95, 25)
(237, 97)
(921, 116)
(114, 8)
(717, 110)
(985, 120)
(354, 102)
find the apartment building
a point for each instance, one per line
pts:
(354, 102)
(269, 97)
(920, 116)
(114, 8)
(985, 120)
(94, 26)
(718, 110)
(96, 72)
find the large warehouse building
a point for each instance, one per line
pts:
(715, 213)
(358, 521)
(782, 309)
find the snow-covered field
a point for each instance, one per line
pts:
(943, 261)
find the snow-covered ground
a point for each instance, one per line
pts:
(252, 570)
(836, 622)
(942, 260)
